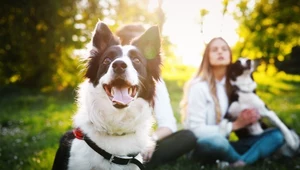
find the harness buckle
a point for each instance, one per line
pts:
(129, 161)
(111, 158)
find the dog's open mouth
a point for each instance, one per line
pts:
(121, 96)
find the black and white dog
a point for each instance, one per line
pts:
(115, 103)
(243, 96)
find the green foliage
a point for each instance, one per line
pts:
(268, 30)
(38, 38)
(34, 38)
(128, 11)
(291, 63)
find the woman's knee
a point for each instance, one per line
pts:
(186, 135)
(189, 135)
(277, 136)
(214, 143)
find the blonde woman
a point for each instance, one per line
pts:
(205, 104)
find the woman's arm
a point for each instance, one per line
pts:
(164, 117)
(198, 108)
(163, 111)
(245, 118)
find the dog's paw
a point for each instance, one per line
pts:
(293, 140)
(294, 145)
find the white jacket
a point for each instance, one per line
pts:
(201, 114)
(163, 110)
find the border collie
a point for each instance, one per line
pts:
(243, 96)
(115, 104)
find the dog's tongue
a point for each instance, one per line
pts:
(121, 96)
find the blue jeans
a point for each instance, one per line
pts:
(249, 150)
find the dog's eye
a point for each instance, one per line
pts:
(136, 61)
(107, 61)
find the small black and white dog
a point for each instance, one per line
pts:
(243, 96)
(115, 103)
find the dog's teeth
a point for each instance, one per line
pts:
(133, 91)
(112, 91)
(130, 91)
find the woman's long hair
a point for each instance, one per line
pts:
(205, 73)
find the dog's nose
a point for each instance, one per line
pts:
(119, 66)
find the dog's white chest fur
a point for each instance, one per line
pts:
(83, 157)
(116, 131)
(247, 101)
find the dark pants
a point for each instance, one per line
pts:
(172, 147)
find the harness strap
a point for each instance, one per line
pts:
(111, 158)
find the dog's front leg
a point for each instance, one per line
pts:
(290, 140)
(255, 129)
(234, 109)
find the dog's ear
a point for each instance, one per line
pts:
(103, 37)
(230, 72)
(101, 40)
(149, 44)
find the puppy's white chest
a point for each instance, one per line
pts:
(250, 100)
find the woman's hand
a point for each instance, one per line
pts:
(147, 155)
(159, 134)
(246, 117)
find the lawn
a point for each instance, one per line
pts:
(32, 122)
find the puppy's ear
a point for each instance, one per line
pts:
(231, 74)
(149, 44)
(103, 37)
(101, 40)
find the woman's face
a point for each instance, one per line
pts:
(219, 53)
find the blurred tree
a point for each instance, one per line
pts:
(132, 11)
(38, 38)
(34, 37)
(160, 15)
(203, 13)
(291, 63)
(268, 29)
(224, 13)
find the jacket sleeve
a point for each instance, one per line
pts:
(198, 108)
(162, 109)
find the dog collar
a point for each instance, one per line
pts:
(243, 91)
(78, 134)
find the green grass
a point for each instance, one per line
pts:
(32, 122)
